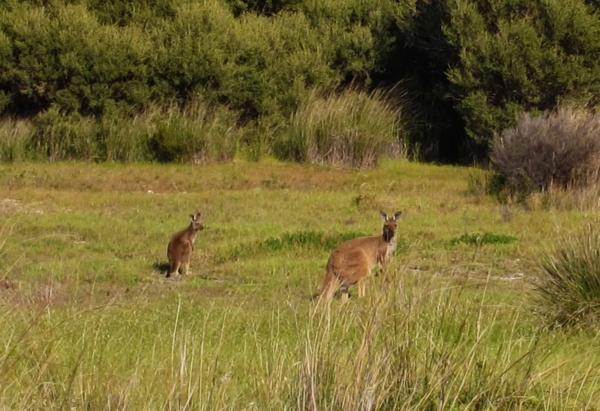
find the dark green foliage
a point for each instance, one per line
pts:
(263, 7)
(101, 58)
(470, 67)
(64, 56)
(521, 55)
(567, 279)
(420, 60)
(485, 238)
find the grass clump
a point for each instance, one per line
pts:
(15, 136)
(485, 238)
(567, 279)
(60, 136)
(197, 133)
(555, 149)
(352, 128)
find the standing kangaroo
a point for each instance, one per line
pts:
(352, 261)
(181, 245)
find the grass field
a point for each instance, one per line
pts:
(89, 321)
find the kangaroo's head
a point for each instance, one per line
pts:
(390, 224)
(196, 221)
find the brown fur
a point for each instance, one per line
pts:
(181, 245)
(352, 261)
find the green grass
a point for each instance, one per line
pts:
(91, 322)
(485, 238)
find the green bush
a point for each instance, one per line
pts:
(105, 61)
(567, 279)
(556, 149)
(62, 55)
(351, 128)
(521, 56)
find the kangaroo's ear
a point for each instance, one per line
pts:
(397, 215)
(383, 215)
(192, 217)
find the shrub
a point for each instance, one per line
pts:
(288, 241)
(351, 128)
(62, 55)
(567, 279)
(557, 148)
(520, 56)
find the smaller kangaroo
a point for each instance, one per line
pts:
(181, 245)
(352, 261)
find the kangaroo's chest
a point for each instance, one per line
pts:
(391, 247)
(386, 250)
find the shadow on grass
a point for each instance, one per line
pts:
(161, 266)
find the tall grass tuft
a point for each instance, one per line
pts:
(61, 136)
(352, 128)
(197, 133)
(567, 279)
(419, 348)
(125, 139)
(15, 137)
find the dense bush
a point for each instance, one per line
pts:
(521, 56)
(63, 56)
(71, 63)
(567, 279)
(558, 148)
(470, 67)
(352, 128)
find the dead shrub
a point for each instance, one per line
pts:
(555, 149)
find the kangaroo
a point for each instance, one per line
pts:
(181, 245)
(352, 261)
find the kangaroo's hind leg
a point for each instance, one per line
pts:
(174, 268)
(344, 293)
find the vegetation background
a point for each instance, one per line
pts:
(134, 80)
(119, 118)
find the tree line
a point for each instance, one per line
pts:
(75, 75)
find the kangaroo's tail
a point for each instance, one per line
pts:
(330, 286)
